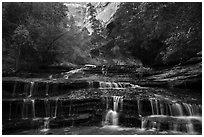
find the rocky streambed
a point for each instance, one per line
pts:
(152, 100)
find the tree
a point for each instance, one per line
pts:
(29, 29)
(98, 34)
(159, 32)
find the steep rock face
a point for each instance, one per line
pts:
(78, 11)
(105, 12)
(109, 9)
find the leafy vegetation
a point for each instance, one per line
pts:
(158, 33)
(41, 34)
(98, 34)
(29, 30)
(36, 34)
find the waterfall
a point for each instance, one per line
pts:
(47, 89)
(177, 109)
(33, 107)
(152, 106)
(90, 84)
(112, 115)
(31, 88)
(47, 107)
(174, 109)
(174, 114)
(46, 125)
(25, 109)
(118, 85)
(112, 118)
(157, 109)
(56, 101)
(175, 122)
(116, 100)
(138, 107)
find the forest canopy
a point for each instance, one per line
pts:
(35, 34)
(158, 33)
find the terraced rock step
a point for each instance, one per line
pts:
(188, 124)
(42, 88)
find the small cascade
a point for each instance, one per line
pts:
(46, 126)
(138, 107)
(152, 106)
(118, 85)
(112, 115)
(157, 108)
(47, 89)
(116, 100)
(111, 118)
(25, 109)
(31, 88)
(173, 108)
(175, 124)
(177, 109)
(47, 108)
(176, 116)
(33, 107)
(56, 102)
(90, 84)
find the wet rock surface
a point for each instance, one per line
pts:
(85, 98)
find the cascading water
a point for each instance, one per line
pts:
(56, 104)
(118, 85)
(31, 88)
(47, 108)
(46, 126)
(33, 107)
(25, 109)
(177, 116)
(47, 89)
(90, 84)
(155, 112)
(112, 115)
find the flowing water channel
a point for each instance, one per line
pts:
(104, 107)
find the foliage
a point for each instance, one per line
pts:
(159, 32)
(98, 34)
(29, 30)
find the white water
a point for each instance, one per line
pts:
(90, 84)
(46, 126)
(55, 116)
(25, 109)
(176, 113)
(118, 85)
(47, 89)
(31, 88)
(174, 109)
(33, 107)
(47, 110)
(112, 115)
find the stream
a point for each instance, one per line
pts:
(38, 106)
